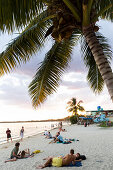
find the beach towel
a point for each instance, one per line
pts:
(70, 139)
(65, 142)
(77, 164)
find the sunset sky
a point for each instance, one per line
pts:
(15, 102)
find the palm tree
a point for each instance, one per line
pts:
(74, 106)
(67, 22)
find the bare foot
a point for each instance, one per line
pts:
(40, 167)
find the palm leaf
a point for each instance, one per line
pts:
(99, 5)
(94, 77)
(17, 13)
(48, 75)
(74, 101)
(80, 108)
(26, 44)
(70, 110)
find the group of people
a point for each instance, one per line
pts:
(8, 132)
(50, 161)
(67, 160)
(58, 138)
(15, 155)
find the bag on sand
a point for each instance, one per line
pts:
(37, 151)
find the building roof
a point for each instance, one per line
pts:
(100, 111)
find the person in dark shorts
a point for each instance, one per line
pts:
(8, 132)
(14, 153)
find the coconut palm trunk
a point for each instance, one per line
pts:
(100, 59)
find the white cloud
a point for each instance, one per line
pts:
(15, 100)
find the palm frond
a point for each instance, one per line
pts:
(99, 5)
(48, 75)
(94, 77)
(26, 44)
(70, 110)
(80, 108)
(80, 102)
(18, 13)
(74, 101)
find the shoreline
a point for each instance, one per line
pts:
(33, 121)
(30, 136)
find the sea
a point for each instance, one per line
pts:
(30, 129)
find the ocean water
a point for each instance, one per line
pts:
(30, 129)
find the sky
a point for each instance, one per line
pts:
(15, 102)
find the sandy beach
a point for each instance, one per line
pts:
(94, 142)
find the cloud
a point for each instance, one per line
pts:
(13, 90)
(14, 86)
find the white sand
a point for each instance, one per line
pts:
(96, 143)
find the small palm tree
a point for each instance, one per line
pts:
(67, 22)
(74, 106)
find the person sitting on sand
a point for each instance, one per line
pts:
(59, 161)
(59, 138)
(14, 153)
(22, 154)
(49, 136)
(46, 133)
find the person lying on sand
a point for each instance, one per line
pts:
(59, 161)
(77, 156)
(25, 154)
(80, 157)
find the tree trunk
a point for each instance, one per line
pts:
(101, 60)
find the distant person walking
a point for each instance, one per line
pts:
(60, 126)
(22, 133)
(8, 132)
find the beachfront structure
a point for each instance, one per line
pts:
(101, 118)
(95, 112)
(82, 120)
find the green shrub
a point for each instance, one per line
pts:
(73, 119)
(106, 124)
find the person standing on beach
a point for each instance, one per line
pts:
(22, 133)
(8, 132)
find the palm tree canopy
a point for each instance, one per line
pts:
(18, 13)
(65, 21)
(74, 106)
